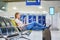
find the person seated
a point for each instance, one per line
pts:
(30, 26)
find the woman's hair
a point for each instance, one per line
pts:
(16, 14)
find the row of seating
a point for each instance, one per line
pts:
(9, 30)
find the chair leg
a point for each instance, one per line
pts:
(24, 37)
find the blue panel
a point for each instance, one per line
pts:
(35, 2)
(22, 18)
(34, 18)
(39, 19)
(43, 20)
(30, 18)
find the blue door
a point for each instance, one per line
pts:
(23, 18)
(39, 19)
(30, 18)
(34, 18)
(44, 20)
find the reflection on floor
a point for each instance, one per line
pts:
(37, 35)
(55, 35)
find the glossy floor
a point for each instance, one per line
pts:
(37, 35)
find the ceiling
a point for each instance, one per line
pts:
(21, 6)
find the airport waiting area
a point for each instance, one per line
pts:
(29, 19)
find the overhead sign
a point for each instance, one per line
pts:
(51, 10)
(33, 2)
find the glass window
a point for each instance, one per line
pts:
(2, 23)
(23, 18)
(34, 18)
(4, 31)
(7, 30)
(8, 23)
(30, 18)
(39, 19)
(13, 29)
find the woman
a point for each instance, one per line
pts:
(18, 22)
(27, 26)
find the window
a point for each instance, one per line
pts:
(8, 30)
(8, 23)
(2, 23)
(34, 18)
(30, 19)
(4, 31)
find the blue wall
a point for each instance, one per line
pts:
(37, 18)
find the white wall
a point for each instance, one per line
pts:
(54, 20)
(22, 8)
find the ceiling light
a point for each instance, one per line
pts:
(14, 8)
(40, 7)
(44, 11)
(3, 7)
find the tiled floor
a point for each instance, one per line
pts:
(55, 35)
(37, 35)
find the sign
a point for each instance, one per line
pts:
(51, 10)
(33, 2)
